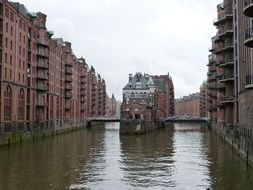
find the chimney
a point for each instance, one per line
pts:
(130, 76)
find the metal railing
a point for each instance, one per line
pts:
(249, 32)
(249, 79)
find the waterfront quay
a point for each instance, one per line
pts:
(179, 156)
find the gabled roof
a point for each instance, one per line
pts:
(137, 80)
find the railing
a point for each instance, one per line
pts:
(42, 42)
(212, 58)
(249, 32)
(220, 86)
(43, 53)
(226, 98)
(42, 87)
(68, 86)
(68, 78)
(68, 70)
(226, 76)
(41, 75)
(68, 94)
(249, 79)
(42, 65)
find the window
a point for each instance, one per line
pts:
(10, 73)
(6, 42)
(7, 103)
(19, 50)
(11, 45)
(6, 27)
(11, 59)
(19, 64)
(21, 101)
(11, 31)
(5, 58)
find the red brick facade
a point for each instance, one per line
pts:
(42, 81)
(154, 93)
(188, 105)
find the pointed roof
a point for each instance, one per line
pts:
(138, 80)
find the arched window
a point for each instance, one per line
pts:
(21, 104)
(51, 107)
(7, 103)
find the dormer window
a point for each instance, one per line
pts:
(138, 85)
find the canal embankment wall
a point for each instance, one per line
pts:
(139, 127)
(240, 141)
(13, 133)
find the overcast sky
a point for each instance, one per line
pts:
(119, 37)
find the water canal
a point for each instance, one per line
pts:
(183, 156)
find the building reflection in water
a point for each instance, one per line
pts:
(147, 160)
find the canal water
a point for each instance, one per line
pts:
(181, 156)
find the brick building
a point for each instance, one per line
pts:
(148, 97)
(42, 82)
(188, 105)
(230, 74)
(203, 100)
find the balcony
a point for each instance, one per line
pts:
(42, 54)
(68, 78)
(42, 87)
(248, 8)
(227, 31)
(220, 86)
(42, 76)
(82, 92)
(228, 16)
(68, 70)
(227, 99)
(41, 42)
(249, 37)
(229, 46)
(83, 80)
(211, 86)
(83, 86)
(68, 94)
(41, 103)
(227, 78)
(68, 86)
(211, 78)
(42, 65)
(249, 82)
(227, 63)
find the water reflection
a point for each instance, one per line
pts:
(181, 156)
(147, 160)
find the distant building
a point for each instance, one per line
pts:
(188, 105)
(111, 104)
(148, 97)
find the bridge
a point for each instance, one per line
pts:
(101, 119)
(184, 118)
